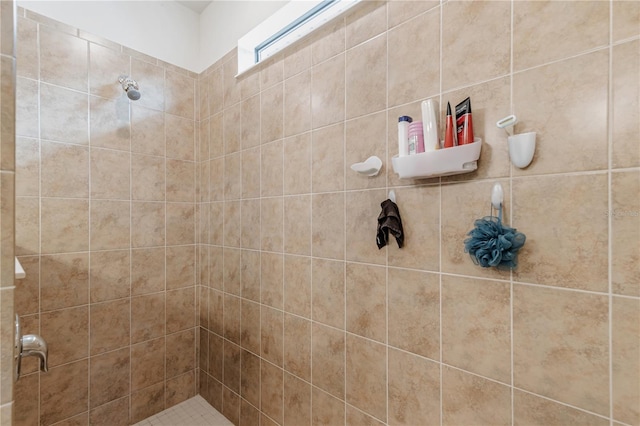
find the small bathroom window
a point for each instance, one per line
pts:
(289, 24)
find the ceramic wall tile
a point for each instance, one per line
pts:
(272, 113)
(544, 257)
(365, 137)
(413, 73)
(105, 68)
(365, 23)
(485, 52)
(476, 326)
(27, 48)
(250, 129)
(297, 285)
(626, 103)
(414, 327)
(327, 225)
(297, 103)
(471, 399)
(27, 112)
(328, 290)
(625, 349)
(64, 281)
(271, 169)
(147, 130)
(624, 230)
(179, 94)
(328, 92)
(180, 139)
(361, 207)
(61, 396)
(584, 77)
(529, 409)
(297, 60)
(64, 170)
(328, 354)
(27, 167)
(366, 378)
(109, 275)
(566, 360)
(625, 19)
(297, 167)
(366, 306)
(60, 116)
(328, 42)
(63, 59)
(153, 87)
(414, 389)
(565, 29)
(366, 78)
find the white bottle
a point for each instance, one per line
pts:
(403, 135)
(430, 125)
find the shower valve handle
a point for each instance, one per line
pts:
(29, 345)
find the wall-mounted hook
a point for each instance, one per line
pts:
(497, 196)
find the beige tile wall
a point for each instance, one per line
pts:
(304, 321)
(105, 228)
(7, 207)
(301, 320)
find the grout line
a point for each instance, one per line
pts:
(89, 245)
(386, 189)
(440, 345)
(344, 218)
(511, 288)
(610, 121)
(130, 116)
(38, 34)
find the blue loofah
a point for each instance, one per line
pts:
(494, 244)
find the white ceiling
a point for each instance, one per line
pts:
(196, 6)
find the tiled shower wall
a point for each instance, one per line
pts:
(303, 320)
(7, 188)
(105, 228)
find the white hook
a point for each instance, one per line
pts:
(392, 195)
(497, 196)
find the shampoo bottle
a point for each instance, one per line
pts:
(403, 135)
(430, 125)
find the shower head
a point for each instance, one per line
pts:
(130, 86)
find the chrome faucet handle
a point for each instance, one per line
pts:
(34, 345)
(29, 345)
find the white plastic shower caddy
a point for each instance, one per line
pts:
(443, 162)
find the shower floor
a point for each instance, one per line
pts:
(195, 411)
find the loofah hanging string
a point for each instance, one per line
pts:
(491, 243)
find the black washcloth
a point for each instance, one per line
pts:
(389, 221)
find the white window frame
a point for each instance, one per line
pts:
(292, 22)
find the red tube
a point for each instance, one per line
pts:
(449, 133)
(464, 122)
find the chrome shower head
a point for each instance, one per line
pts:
(130, 86)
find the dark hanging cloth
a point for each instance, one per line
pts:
(389, 221)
